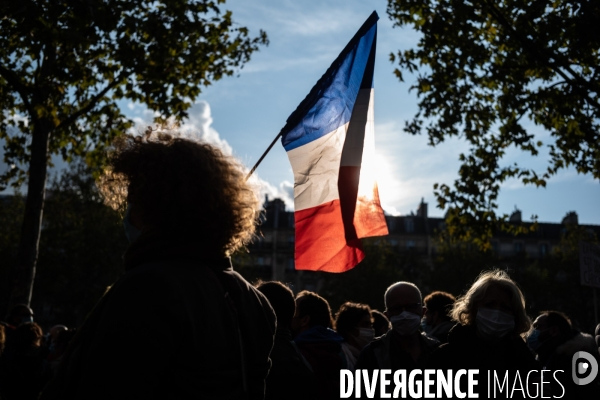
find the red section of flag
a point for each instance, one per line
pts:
(369, 219)
(362, 215)
(321, 243)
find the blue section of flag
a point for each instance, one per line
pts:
(329, 104)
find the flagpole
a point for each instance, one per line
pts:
(263, 156)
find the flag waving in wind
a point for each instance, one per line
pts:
(330, 142)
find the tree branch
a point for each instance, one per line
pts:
(537, 51)
(19, 87)
(91, 103)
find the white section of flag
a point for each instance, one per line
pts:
(316, 167)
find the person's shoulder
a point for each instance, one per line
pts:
(429, 342)
(578, 342)
(379, 341)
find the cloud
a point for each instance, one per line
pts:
(291, 18)
(285, 191)
(198, 126)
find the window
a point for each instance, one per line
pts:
(391, 223)
(544, 248)
(410, 244)
(518, 247)
(409, 225)
(495, 246)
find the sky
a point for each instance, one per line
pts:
(244, 113)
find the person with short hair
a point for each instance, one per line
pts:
(180, 323)
(404, 347)
(437, 317)
(291, 376)
(555, 342)
(491, 319)
(354, 323)
(320, 345)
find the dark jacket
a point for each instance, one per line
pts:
(23, 373)
(322, 348)
(562, 358)
(385, 353)
(171, 328)
(441, 331)
(291, 376)
(466, 350)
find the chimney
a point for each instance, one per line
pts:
(515, 216)
(422, 210)
(570, 219)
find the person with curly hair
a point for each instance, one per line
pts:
(491, 320)
(437, 320)
(354, 323)
(180, 323)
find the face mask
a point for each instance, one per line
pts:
(533, 340)
(406, 323)
(131, 231)
(365, 336)
(366, 333)
(494, 324)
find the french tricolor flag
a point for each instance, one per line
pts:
(330, 142)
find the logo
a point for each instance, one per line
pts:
(583, 363)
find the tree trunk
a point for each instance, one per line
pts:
(24, 270)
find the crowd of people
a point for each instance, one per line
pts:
(181, 323)
(486, 329)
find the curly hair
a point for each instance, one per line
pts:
(182, 187)
(465, 307)
(348, 317)
(440, 302)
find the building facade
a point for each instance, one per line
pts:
(272, 254)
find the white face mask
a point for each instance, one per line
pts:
(365, 336)
(406, 323)
(494, 324)
(366, 333)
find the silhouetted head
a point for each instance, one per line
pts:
(311, 310)
(27, 335)
(282, 300)
(495, 304)
(403, 296)
(381, 323)
(55, 330)
(19, 314)
(404, 308)
(438, 307)
(553, 328)
(354, 323)
(183, 188)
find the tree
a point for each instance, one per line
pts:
(487, 70)
(64, 65)
(81, 247)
